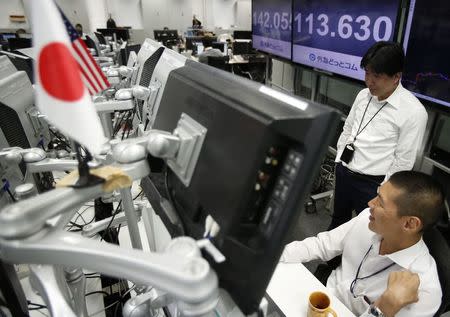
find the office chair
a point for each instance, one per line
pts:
(220, 62)
(440, 251)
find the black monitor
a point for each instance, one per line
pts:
(167, 37)
(208, 40)
(18, 43)
(101, 39)
(242, 35)
(121, 33)
(125, 52)
(220, 46)
(261, 152)
(240, 48)
(427, 69)
(5, 36)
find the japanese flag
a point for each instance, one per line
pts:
(60, 92)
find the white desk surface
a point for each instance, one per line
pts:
(290, 287)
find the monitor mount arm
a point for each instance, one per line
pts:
(26, 237)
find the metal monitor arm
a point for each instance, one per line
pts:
(27, 237)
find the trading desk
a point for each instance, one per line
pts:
(290, 287)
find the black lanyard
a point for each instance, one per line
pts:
(364, 114)
(353, 284)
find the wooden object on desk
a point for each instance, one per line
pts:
(290, 287)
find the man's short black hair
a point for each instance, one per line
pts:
(421, 196)
(384, 58)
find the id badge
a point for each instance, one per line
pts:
(347, 154)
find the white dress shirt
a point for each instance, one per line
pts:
(390, 142)
(353, 239)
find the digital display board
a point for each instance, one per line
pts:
(427, 47)
(272, 26)
(333, 35)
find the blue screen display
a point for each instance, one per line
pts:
(427, 47)
(272, 27)
(333, 35)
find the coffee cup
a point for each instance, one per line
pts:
(319, 305)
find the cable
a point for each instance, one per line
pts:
(140, 193)
(112, 219)
(103, 309)
(97, 292)
(35, 304)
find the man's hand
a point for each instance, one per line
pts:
(402, 290)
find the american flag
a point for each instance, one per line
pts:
(92, 75)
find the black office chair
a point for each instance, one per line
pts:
(220, 62)
(440, 250)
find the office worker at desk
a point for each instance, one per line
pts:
(381, 134)
(383, 239)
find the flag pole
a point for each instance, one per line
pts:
(86, 179)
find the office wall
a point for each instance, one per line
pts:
(75, 11)
(224, 13)
(244, 15)
(198, 8)
(97, 15)
(14, 7)
(175, 14)
(125, 12)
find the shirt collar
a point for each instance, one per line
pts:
(393, 99)
(404, 257)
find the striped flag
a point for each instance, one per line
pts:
(92, 75)
(60, 92)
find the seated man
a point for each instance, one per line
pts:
(384, 238)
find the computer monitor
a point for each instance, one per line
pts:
(21, 62)
(242, 35)
(190, 40)
(147, 59)
(223, 47)
(167, 37)
(18, 115)
(242, 47)
(427, 69)
(121, 33)
(208, 40)
(125, 51)
(168, 61)
(261, 152)
(7, 36)
(6, 67)
(148, 48)
(101, 39)
(17, 43)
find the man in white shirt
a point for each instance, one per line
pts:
(382, 133)
(382, 239)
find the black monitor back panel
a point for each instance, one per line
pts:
(255, 168)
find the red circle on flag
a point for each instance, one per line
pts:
(59, 73)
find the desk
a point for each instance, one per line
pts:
(290, 287)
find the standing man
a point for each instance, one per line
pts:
(382, 133)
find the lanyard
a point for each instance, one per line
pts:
(362, 119)
(357, 278)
